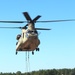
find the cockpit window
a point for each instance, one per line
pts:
(32, 31)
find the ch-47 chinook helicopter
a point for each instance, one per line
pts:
(28, 40)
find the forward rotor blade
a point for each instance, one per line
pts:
(13, 21)
(36, 18)
(56, 20)
(42, 29)
(28, 18)
(12, 27)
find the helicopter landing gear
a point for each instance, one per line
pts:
(20, 49)
(16, 52)
(37, 49)
(16, 43)
(32, 52)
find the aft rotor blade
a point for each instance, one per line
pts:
(36, 18)
(38, 21)
(56, 20)
(12, 27)
(28, 18)
(13, 21)
(42, 29)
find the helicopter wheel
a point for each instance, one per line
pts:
(20, 49)
(32, 52)
(16, 43)
(16, 52)
(37, 49)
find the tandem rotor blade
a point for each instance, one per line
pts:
(13, 21)
(55, 21)
(12, 27)
(42, 29)
(36, 18)
(38, 21)
(28, 18)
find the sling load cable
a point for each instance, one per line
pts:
(26, 63)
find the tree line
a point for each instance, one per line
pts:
(45, 72)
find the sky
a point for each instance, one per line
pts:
(57, 47)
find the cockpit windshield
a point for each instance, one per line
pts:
(32, 32)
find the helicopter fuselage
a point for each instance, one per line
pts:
(28, 40)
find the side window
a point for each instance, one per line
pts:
(23, 35)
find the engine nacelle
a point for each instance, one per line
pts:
(18, 37)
